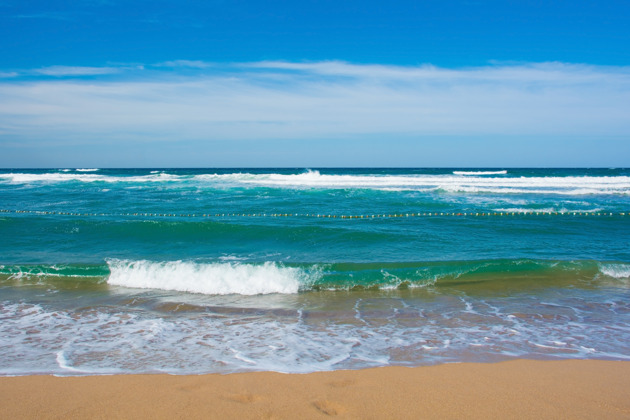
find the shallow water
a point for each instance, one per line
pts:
(222, 284)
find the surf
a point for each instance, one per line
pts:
(231, 276)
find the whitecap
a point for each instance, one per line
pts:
(467, 173)
(618, 271)
(542, 185)
(208, 278)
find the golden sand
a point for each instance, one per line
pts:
(517, 389)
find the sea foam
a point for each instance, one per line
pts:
(569, 185)
(480, 172)
(27, 178)
(459, 182)
(562, 210)
(618, 271)
(208, 278)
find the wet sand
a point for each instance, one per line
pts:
(514, 389)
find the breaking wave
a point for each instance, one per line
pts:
(211, 278)
(466, 173)
(241, 278)
(458, 182)
(617, 271)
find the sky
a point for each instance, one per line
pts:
(163, 83)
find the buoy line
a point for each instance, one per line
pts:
(317, 215)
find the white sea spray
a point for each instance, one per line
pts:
(618, 271)
(207, 278)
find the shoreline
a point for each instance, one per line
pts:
(510, 389)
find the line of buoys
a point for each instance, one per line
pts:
(318, 215)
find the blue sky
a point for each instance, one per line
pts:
(314, 83)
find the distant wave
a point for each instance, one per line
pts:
(562, 210)
(87, 170)
(479, 172)
(25, 178)
(568, 185)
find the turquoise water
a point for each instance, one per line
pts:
(223, 270)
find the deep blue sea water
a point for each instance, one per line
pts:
(299, 270)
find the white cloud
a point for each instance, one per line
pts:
(197, 64)
(526, 73)
(286, 100)
(60, 71)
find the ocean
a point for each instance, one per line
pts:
(191, 271)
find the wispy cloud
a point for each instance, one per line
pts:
(525, 73)
(288, 100)
(75, 71)
(197, 64)
(45, 15)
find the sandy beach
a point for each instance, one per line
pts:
(513, 389)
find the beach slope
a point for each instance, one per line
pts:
(513, 389)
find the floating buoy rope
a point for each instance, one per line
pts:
(316, 215)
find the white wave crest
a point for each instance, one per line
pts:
(87, 170)
(479, 172)
(26, 178)
(562, 210)
(569, 185)
(207, 278)
(618, 271)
